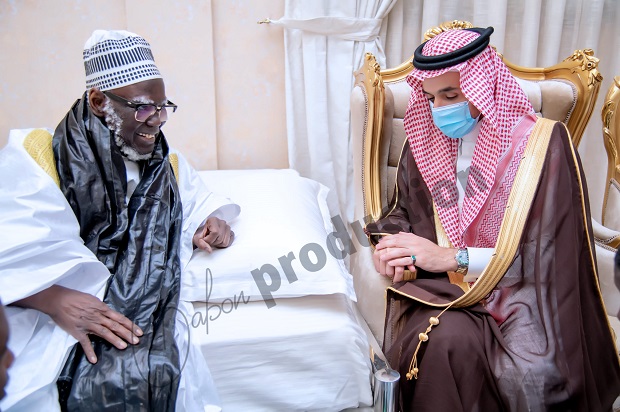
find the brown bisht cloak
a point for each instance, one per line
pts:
(540, 340)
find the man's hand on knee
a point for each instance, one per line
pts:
(81, 314)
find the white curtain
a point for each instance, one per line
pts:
(532, 33)
(325, 42)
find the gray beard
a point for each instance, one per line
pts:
(114, 123)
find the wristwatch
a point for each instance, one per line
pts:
(462, 260)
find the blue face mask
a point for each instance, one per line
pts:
(455, 120)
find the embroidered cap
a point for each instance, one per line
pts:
(117, 58)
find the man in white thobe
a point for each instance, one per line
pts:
(95, 257)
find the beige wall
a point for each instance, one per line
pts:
(223, 70)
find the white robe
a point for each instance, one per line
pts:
(41, 246)
(479, 257)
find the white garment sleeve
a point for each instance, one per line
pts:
(479, 258)
(41, 246)
(198, 205)
(197, 391)
(42, 243)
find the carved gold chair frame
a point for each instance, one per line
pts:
(611, 136)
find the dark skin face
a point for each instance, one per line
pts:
(140, 136)
(6, 356)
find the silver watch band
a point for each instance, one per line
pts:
(462, 260)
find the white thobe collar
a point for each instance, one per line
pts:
(134, 174)
(466, 151)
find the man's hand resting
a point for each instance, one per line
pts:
(81, 314)
(214, 233)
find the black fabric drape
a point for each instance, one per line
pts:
(139, 244)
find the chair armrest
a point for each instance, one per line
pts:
(605, 237)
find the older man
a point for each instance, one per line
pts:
(98, 257)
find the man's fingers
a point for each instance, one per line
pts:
(216, 233)
(202, 244)
(88, 348)
(398, 274)
(389, 270)
(386, 269)
(227, 238)
(399, 240)
(206, 246)
(388, 241)
(382, 265)
(213, 238)
(219, 238)
(376, 261)
(121, 331)
(382, 269)
(215, 225)
(205, 230)
(105, 333)
(395, 253)
(403, 261)
(127, 324)
(381, 245)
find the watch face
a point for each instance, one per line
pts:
(462, 257)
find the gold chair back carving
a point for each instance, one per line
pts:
(611, 138)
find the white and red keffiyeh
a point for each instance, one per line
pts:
(507, 120)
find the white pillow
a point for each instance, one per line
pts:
(284, 224)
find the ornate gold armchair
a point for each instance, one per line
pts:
(565, 92)
(611, 135)
(607, 234)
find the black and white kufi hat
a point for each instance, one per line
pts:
(117, 58)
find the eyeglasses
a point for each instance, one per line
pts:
(145, 110)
